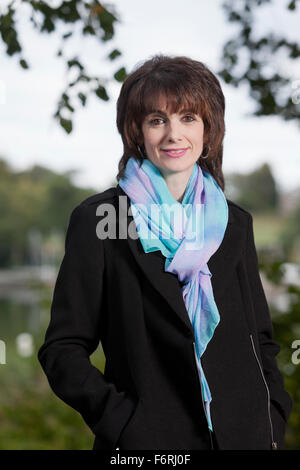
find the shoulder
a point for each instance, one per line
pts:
(83, 218)
(108, 195)
(105, 196)
(238, 214)
(90, 204)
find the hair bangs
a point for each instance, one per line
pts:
(171, 96)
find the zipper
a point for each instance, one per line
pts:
(274, 443)
(211, 442)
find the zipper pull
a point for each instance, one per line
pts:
(274, 445)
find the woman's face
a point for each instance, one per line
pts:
(166, 132)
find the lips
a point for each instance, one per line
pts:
(175, 152)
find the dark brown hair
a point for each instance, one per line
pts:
(186, 83)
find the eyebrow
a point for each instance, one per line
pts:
(159, 111)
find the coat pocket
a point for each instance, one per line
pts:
(274, 444)
(279, 423)
(120, 442)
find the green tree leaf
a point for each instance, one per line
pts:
(66, 124)
(114, 54)
(120, 75)
(24, 64)
(101, 93)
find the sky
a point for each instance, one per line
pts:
(29, 135)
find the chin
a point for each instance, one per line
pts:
(176, 164)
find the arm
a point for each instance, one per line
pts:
(74, 333)
(269, 349)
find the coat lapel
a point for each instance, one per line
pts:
(165, 283)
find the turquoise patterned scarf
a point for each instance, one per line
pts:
(187, 234)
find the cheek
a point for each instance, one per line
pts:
(197, 137)
(152, 139)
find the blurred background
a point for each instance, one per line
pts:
(62, 64)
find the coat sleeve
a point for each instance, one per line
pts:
(280, 400)
(73, 333)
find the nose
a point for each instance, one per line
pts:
(173, 131)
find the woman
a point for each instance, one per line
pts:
(171, 289)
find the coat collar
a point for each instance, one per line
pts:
(167, 284)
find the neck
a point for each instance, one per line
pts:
(177, 182)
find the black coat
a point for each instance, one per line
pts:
(149, 396)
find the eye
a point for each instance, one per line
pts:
(189, 116)
(152, 122)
